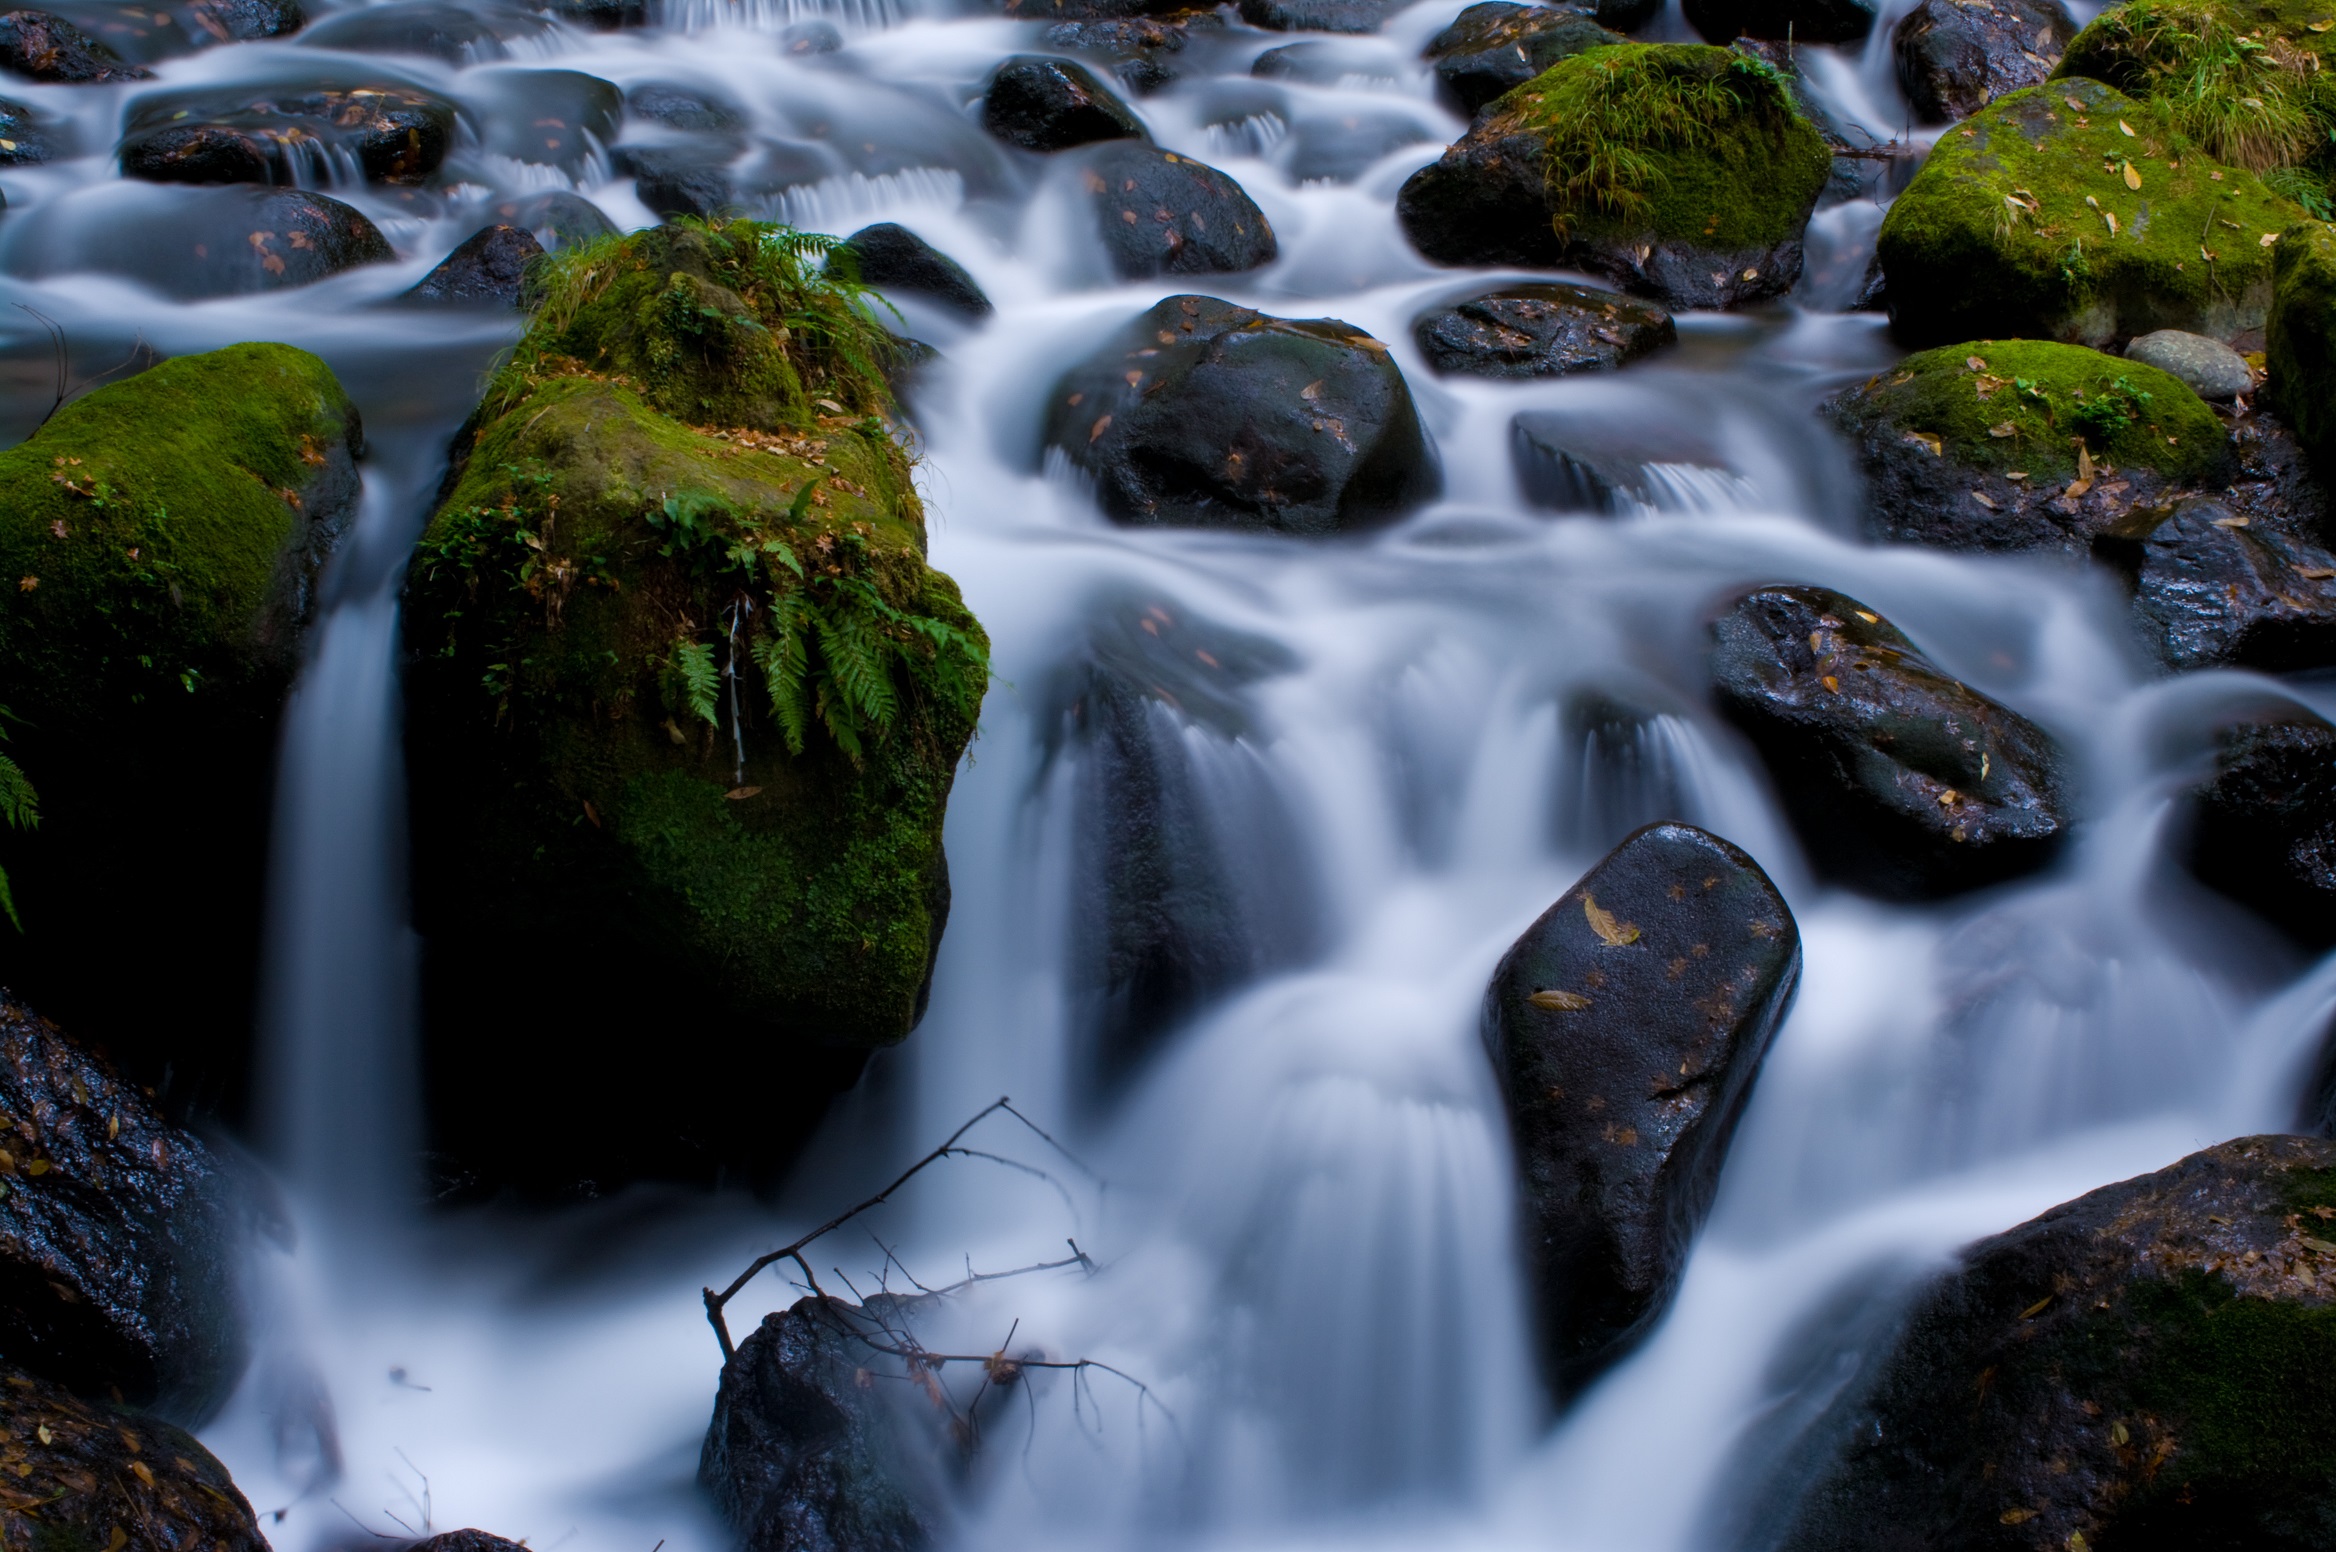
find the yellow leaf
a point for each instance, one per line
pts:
(2015, 1517)
(2267, 239)
(37, 1167)
(1617, 934)
(1559, 1002)
(46, 1437)
(2035, 1309)
(2323, 24)
(2076, 1541)
(121, 1540)
(1937, 448)
(2320, 1245)
(1870, 619)
(740, 794)
(2132, 176)
(2128, 128)
(1984, 499)
(2119, 1434)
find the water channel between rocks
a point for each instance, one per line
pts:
(1307, 1232)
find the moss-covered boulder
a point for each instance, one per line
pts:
(2024, 444)
(2072, 212)
(2145, 1366)
(1678, 170)
(161, 540)
(686, 703)
(2299, 338)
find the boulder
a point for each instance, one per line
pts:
(2299, 339)
(2211, 369)
(163, 537)
(396, 134)
(2139, 1367)
(2006, 231)
(120, 1234)
(1164, 214)
(1541, 331)
(201, 242)
(46, 47)
(1799, 21)
(489, 269)
(601, 16)
(144, 34)
(1626, 1027)
(1496, 46)
(890, 257)
(460, 34)
(1202, 413)
(1043, 104)
(1317, 15)
(689, 107)
(550, 118)
(1141, 50)
(1091, 10)
(83, 1474)
(467, 1540)
(1709, 211)
(1901, 781)
(1957, 56)
(2216, 588)
(716, 496)
(28, 137)
(557, 218)
(2263, 826)
(1601, 459)
(679, 180)
(2025, 445)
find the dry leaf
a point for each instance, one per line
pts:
(739, 794)
(46, 1437)
(2015, 1517)
(2230, 522)
(37, 1167)
(1870, 619)
(2267, 239)
(1975, 363)
(2120, 1434)
(2320, 1245)
(2003, 429)
(1616, 934)
(1983, 499)
(2073, 105)
(1949, 798)
(2110, 216)
(2322, 25)
(1559, 1002)
(2035, 1309)
(2128, 128)
(2313, 573)
(2076, 1541)
(2084, 462)
(1831, 683)
(1938, 449)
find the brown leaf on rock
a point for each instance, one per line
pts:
(1615, 934)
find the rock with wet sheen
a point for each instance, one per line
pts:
(556, 217)
(1901, 781)
(1317, 15)
(1043, 104)
(1143, 51)
(1589, 459)
(460, 34)
(29, 137)
(1626, 1027)
(239, 239)
(679, 180)
(2212, 369)
(1542, 330)
(2215, 588)
(488, 270)
(1164, 214)
(1802, 21)
(687, 106)
(2142, 1367)
(1496, 45)
(890, 257)
(1206, 414)
(143, 34)
(46, 47)
(552, 118)
(397, 134)
(466, 1541)
(1957, 56)
(2263, 828)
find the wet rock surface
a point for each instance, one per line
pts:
(1494, 46)
(1207, 414)
(29, 137)
(1626, 1027)
(235, 240)
(1957, 56)
(1901, 781)
(465, 1541)
(2138, 1367)
(489, 269)
(551, 118)
(435, 29)
(1145, 52)
(45, 47)
(396, 134)
(1802, 21)
(2211, 369)
(1584, 460)
(1164, 214)
(679, 180)
(1043, 104)
(2263, 826)
(1316, 15)
(890, 257)
(1541, 331)
(2215, 587)
(556, 218)
(119, 1233)
(143, 34)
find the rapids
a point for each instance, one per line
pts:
(1300, 1211)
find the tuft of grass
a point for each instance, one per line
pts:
(2251, 99)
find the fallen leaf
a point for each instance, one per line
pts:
(2084, 462)
(2230, 522)
(1831, 683)
(1975, 363)
(1559, 1002)
(1984, 499)
(1617, 934)
(142, 1472)
(1949, 798)
(2322, 25)
(2003, 429)
(2015, 1517)
(2128, 128)
(2267, 239)
(2319, 1245)
(2035, 1309)
(2313, 573)
(2120, 1434)
(2110, 216)
(2076, 1541)
(45, 1436)
(1870, 619)
(1938, 449)
(121, 1539)
(2073, 105)
(740, 794)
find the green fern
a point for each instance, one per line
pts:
(20, 808)
(693, 665)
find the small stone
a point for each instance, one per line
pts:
(890, 257)
(1043, 104)
(1544, 330)
(489, 269)
(2212, 369)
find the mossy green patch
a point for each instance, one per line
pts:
(148, 532)
(2243, 82)
(2025, 404)
(2040, 216)
(1672, 141)
(2299, 337)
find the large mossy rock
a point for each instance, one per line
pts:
(1901, 780)
(162, 538)
(2007, 230)
(2145, 1366)
(1977, 446)
(1626, 1026)
(667, 486)
(1681, 171)
(2299, 338)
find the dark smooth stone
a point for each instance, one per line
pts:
(1626, 15)
(2263, 827)
(438, 29)
(558, 218)
(197, 242)
(678, 180)
(1495, 46)
(1341, 150)
(1957, 56)
(554, 118)
(144, 34)
(1626, 1027)
(693, 109)
(1204, 414)
(1799, 21)
(26, 137)
(1597, 461)
(84, 1469)
(1091, 10)
(397, 134)
(601, 15)
(1142, 51)
(1316, 15)
(46, 47)
(2215, 588)
(1542, 331)
(489, 269)
(890, 257)
(1043, 104)
(1901, 781)
(466, 1541)
(1164, 214)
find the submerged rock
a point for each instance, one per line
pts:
(1541, 331)
(396, 134)
(1317, 15)
(1495, 46)
(1716, 223)
(488, 269)
(1164, 214)
(2005, 232)
(687, 106)
(460, 34)
(680, 180)
(2025, 445)
(46, 47)
(890, 257)
(2263, 827)
(1043, 104)
(1901, 781)
(29, 137)
(1957, 56)
(550, 118)
(1207, 414)
(1800, 21)
(2211, 369)
(556, 218)
(1587, 459)
(2214, 587)
(2139, 1367)
(1626, 1027)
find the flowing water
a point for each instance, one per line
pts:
(1368, 764)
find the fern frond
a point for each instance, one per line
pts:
(853, 644)
(700, 680)
(20, 806)
(784, 656)
(8, 902)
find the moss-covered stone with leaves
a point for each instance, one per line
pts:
(2072, 212)
(2299, 339)
(687, 700)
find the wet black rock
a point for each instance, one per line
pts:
(1801, 21)
(890, 257)
(2217, 588)
(2141, 1367)
(697, 110)
(1900, 780)
(120, 1234)
(2263, 827)
(435, 29)
(1164, 214)
(80, 1472)
(1496, 45)
(1142, 51)
(488, 270)
(197, 242)
(1043, 104)
(601, 15)
(557, 218)
(1957, 56)
(1317, 15)
(678, 180)
(1542, 330)
(466, 1541)
(1207, 414)
(142, 34)
(397, 134)
(804, 1451)
(1091, 10)
(27, 137)
(47, 47)
(553, 118)
(1626, 15)
(1592, 459)
(1626, 1027)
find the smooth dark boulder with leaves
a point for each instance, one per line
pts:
(1159, 213)
(1900, 780)
(1495, 46)
(550, 118)
(1317, 15)
(2263, 826)
(193, 242)
(1545, 330)
(890, 257)
(1202, 413)
(143, 34)
(1957, 56)
(2140, 1367)
(1144, 52)
(2214, 587)
(1043, 104)
(397, 134)
(45, 47)
(1626, 1027)
(489, 269)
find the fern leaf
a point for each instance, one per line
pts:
(836, 714)
(694, 662)
(855, 651)
(8, 902)
(784, 657)
(20, 806)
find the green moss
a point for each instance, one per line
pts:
(144, 529)
(1678, 142)
(2025, 404)
(2244, 88)
(2006, 230)
(2299, 337)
